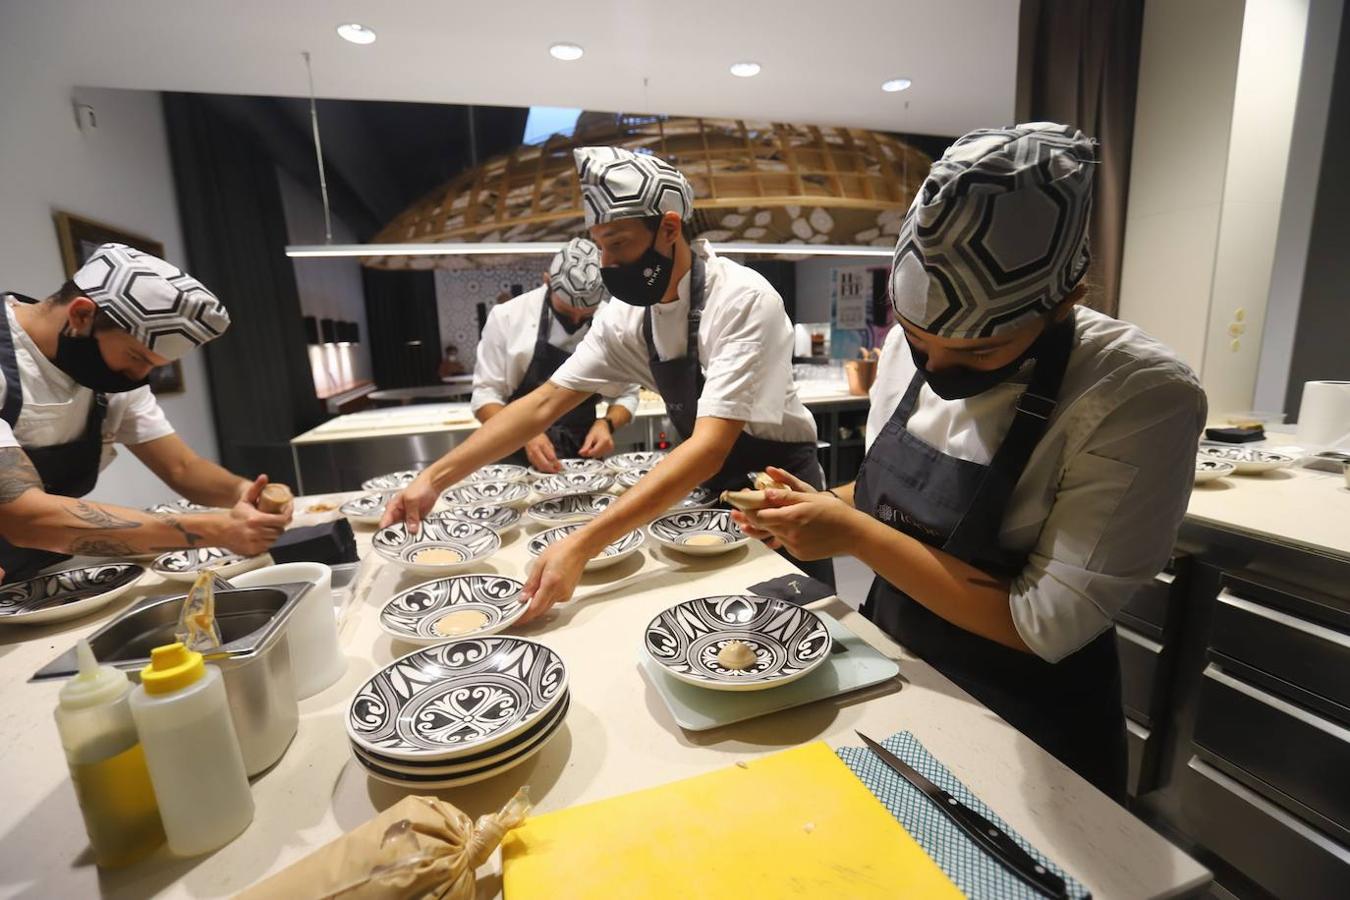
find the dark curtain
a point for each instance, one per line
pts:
(262, 391)
(1078, 63)
(405, 334)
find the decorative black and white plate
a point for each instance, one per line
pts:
(639, 459)
(501, 519)
(439, 546)
(626, 478)
(178, 507)
(413, 615)
(573, 483)
(788, 641)
(465, 763)
(367, 509)
(624, 547)
(1248, 460)
(1207, 469)
(456, 777)
(456, 698)
(491, 493)
(498, 472)
(393, 481)
(699, 498)
(66, 595)
(572, 465)
(186, 565)
(569, 508)
(698, 532)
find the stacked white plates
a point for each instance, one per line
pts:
(502, 519)
(569, 508)
(439, 546)
(640, 459)
(458, 712)
(623, 548)
(1248, 460)
(698, 532)
(572, 465)
(573, 483)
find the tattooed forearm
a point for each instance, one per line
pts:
(17, 475)
(93, 546)
(100, 517)
(191, 537)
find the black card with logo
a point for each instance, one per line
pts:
(796, 588)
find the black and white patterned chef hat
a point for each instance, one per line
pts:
(574, 274)
(998, 231)
(161, 306)
(619, 184)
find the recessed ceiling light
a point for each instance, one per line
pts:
(896, 84)
(356, 33)
(745, 69)
(566, 52)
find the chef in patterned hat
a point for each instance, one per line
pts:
(706, 333)
(528, 337)
(73, 381)
(1029, 460)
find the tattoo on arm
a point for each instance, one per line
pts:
(17, 475)
(191, 537)
(93, 546)
(100, 517)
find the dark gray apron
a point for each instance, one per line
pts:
(680, 383)
(1071, 708)
(569, 432)
(69, 470)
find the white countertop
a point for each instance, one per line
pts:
(618, 738)
(1298, 507)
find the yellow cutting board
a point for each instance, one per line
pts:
(794, 824)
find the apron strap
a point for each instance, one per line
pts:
(976, 535)
(9, 365)
(697, 273)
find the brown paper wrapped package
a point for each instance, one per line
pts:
(419, 847)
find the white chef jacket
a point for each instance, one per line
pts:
(55, 407)
(507, 346)
(1102, 497)
(744, 349)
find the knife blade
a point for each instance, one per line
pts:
(992, 839)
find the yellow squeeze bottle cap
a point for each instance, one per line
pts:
(172, 668)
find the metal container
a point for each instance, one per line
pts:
(254, 660)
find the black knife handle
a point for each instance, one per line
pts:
(996, 842)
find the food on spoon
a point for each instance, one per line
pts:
(736, 655)
(438, 556)
(274, 498)
(462, 621)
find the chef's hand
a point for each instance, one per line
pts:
(553, 577)
(539, 450)
(412, 504)
(249, 530)
(599, 440)
(810, 524)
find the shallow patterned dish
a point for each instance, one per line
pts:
(698, 532)
(66, 595)
(456, 698)
(178, 507)
(640, 459)
(186, 565)
(393, 481)
(629, 477)
(569, 508)
(412, 615)
(367, 509)
(1249, 460)
(501, 519)
(624, 547)
(456, 777)
(467, 542)
(1210, 469)
(493, 493)
(573, 483)
(498, 472)
(789, 641)
(572, 465)
(699, 498)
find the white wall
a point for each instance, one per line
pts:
(117, 173)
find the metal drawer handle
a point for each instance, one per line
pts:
(1312, 629)
(1339, 732)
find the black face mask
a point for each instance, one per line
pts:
(961, 383)
(643, 282)
(80, 358)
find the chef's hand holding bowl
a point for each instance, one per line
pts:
(252, 531)
(412, 504)
(554, 576)
(811, 524)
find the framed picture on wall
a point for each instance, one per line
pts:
(79, 238)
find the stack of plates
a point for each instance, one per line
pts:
(573, 483)
(572, 465)
(459, 712)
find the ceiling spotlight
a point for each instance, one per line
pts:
(896, 84)
(745, 69)
(566, 52)
(356, 33)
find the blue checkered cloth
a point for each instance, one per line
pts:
(972, 870)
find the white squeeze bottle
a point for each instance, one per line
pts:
(192, 752)
(106, 763)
